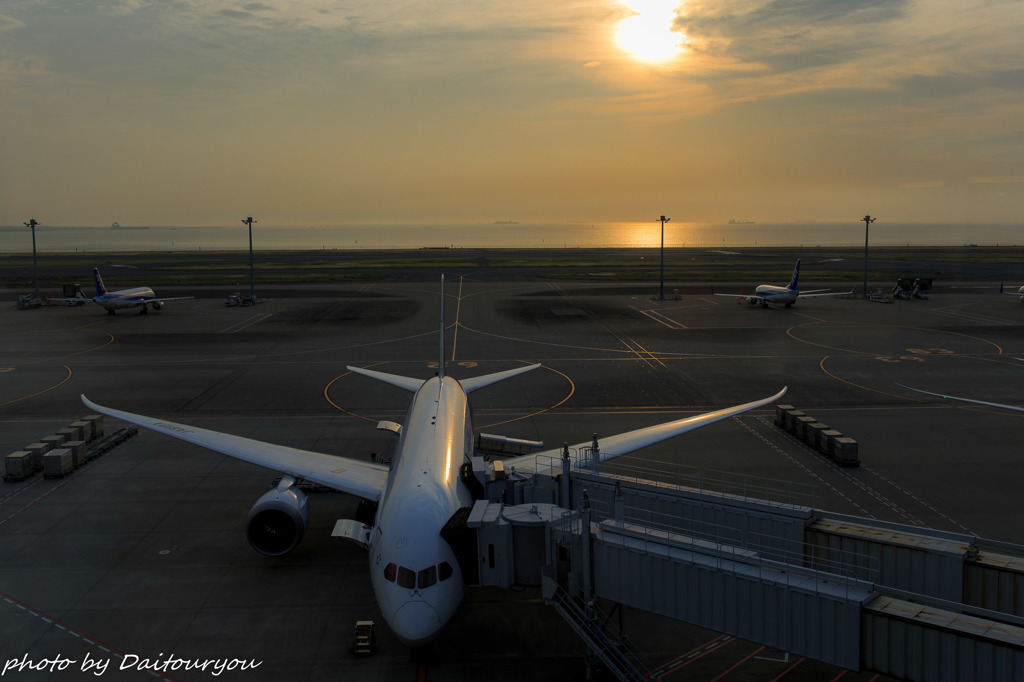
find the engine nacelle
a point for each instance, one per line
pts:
(157, 305)
(752, 300)
(278, 520)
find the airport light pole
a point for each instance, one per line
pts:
(661, 290)
(252, 278)
(867, 220)
(32, 224)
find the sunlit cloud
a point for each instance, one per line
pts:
(648, 34)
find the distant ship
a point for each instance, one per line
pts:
(505, 222)
(118, 226)
(741, 222)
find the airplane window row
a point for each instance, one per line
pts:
(409, 579)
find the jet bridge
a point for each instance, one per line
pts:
(751, 558)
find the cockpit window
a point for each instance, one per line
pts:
(390, 571)
(444, 571)
(427, 577)
(406, 578)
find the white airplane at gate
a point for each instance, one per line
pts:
(125, 298)
(768, 294)
(415, 574)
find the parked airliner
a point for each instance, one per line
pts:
(766, 294)
(125, 298)
(415, 574)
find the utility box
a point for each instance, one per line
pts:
(57, 463)
(18, 466)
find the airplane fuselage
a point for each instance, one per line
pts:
(773, 294)
(415, 573)
(126, 298)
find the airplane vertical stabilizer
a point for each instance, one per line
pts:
(100, 289)
(440, 358)
(794, 283)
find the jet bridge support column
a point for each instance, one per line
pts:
(588, 580)
(565, 484)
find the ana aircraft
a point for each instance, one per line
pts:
(766, 294)
(416, 577)
(126, 298)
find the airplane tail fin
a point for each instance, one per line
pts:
(794, 283)
(468, 385)
(100, 289)
(440, 357)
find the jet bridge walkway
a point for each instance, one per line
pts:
(753, 559)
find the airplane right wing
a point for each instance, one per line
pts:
(613, 446)
(353, 476)
(818, 292)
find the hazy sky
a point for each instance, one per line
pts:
(198, 112)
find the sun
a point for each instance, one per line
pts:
(647, 35)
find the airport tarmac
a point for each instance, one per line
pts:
(143, 552)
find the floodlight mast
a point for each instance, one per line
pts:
(661, 290)
(32, 224)
(867, 220)
(252, 279)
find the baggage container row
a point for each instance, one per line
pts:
(826, 440)
(58, 454)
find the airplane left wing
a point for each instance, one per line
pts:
(613, 446)
(356, 477)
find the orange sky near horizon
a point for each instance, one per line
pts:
(188, 113)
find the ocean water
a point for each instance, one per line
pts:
(505, 235)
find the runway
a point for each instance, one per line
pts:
(143, 552)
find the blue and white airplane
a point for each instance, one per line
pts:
(767, 294)
(126, 298)
(415, 574)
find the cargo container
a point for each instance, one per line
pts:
(846, 452)
(38, 450)
(18, 466)
(97, 424)
(86, 427)
(77, 448)
(57, 463)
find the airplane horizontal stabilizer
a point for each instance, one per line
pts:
(470, 385)
(613, 446)
(407, 383)
(353, 476)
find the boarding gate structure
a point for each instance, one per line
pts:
(746, 557)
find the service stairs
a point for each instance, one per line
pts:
(591, 625)
(747, 561)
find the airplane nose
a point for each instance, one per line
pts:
(416, 623)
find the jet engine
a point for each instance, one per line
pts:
(752, 301)
(278, 520)
(157, 305)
